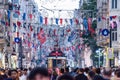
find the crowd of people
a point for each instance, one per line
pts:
(41, 73)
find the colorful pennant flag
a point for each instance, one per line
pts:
(18, 24)
(2, 22)
(71, 21)
(85, 24)
(41, 36)
(61, 21)
(76, 21)
(30, 15)
(99, 19)
(103, 18)
(46, 20)
(41, 20)
(24, 16)
(14, 25)
(17, 12)
(57, 21)
(8, 12)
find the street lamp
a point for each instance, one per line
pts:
(99, 55)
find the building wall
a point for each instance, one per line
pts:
(102, 7)
(116, 44)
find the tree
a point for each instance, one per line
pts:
(89, 38)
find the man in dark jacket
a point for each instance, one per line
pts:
(81, 75)
(13, 75)
(107, 73)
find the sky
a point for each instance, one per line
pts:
(48, 7)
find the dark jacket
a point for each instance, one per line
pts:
(8, 79)
(81, 77)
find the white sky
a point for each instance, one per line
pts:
(58, 4)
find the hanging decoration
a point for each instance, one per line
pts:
(46, 20)
(41, 36)
(85, 24)
(24, 16)
(61, 21)
(41, 20)
(57, 21)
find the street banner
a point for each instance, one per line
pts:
(110, 53)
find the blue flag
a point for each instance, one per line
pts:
(14, 27)
(2, 22)
(8, 14)
(71, 21)
(85, 23)
(24, 16)
(72, 36)
(41, 20)
(57, 20)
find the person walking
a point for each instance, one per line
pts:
(81, 75)
(39, 73)
(13, 75)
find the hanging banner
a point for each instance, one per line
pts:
(110, 53)
(71, 21)
(24, 16)
(41, 36)
(85, 24)
(41, 20)
(57, 21)
(46, 20)
(61, 21)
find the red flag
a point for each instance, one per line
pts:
(114, 17)
(18, 12)
(19, 23)
(90, 25)
(7, 24)
(28, 34)
(46, 20)
(31, 29)
(17, 34)
(103, 18)
(41, 36)
(30, 15)
(77, 21)
(55, 32)
(68, 30)
(29, 44)
(73, 48)
(61, 21)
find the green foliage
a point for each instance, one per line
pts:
(89, 38)
(94, 24)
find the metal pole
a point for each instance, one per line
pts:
(99, 59)
(110, 45)
(20, 54)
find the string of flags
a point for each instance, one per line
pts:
(105, 18)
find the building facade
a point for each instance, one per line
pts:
(114, 12)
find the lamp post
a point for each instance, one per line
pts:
(56, 56)
(99, 55)
(20, 54)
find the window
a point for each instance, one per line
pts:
(113, 36)
(114, 31)
(114, 4)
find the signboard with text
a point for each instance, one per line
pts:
(110, 53)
